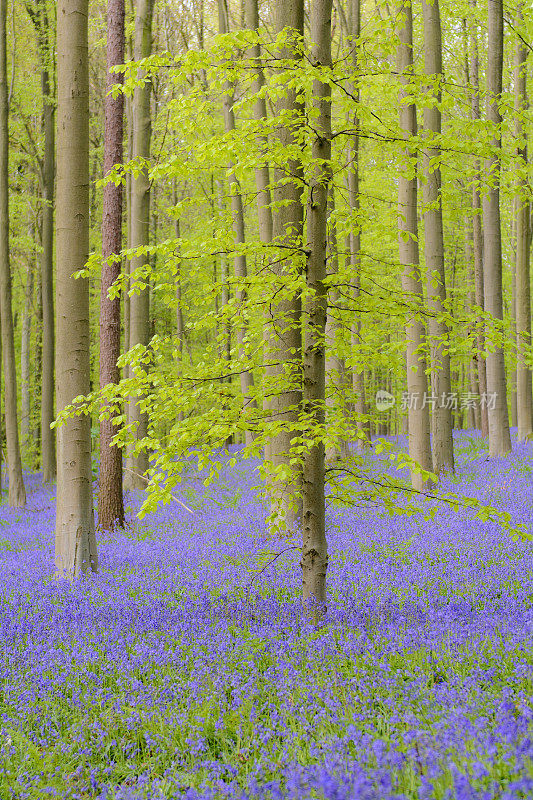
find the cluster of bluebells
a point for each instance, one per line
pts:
(170, 675)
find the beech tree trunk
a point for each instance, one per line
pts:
(434, 246)
(314, 544)
(75, 536)
(136, 465)
(523, 286)
(110, 497)
(283, 344)
(499, 436)
(417, 386)
(17, 492)
(237, 213)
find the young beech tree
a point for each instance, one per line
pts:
(499, 436)
(417, 386)
(17, 492)
(110, 497)
(75, 535)
(314, 545)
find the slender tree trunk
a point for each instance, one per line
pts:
(25, 343)
(314, 544)
(75, 536)
(335, 366)
(418, 410)
(262, 171)
(140, 233)
(364, 434)
(283, 344)
(434, 246)
(48, 436)
(474, 418)
(17, 493)
(499, 437)
(237, 213)
(523, 286)
(477, 228)
(110, 498)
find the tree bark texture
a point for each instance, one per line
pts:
(417, 386)
(314, 544)
(110, 497)
(17, 492)
(499, 436)
(136, 465)
(523, 285)
(434, 246)
(75, 536)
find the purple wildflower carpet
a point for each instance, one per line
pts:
(168, 676)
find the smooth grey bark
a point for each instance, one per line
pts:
(314, 544)
(75, 541)
(499, 436)
(523, 282)
(477, 229)
(417, 386)
(237, 214)
(17, 492)
(283, 340)
(434, 245)
(139, 305)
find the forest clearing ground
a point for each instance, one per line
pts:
(165, 677)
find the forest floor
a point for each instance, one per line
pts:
(164, 676)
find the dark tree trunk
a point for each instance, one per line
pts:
(110, 498)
